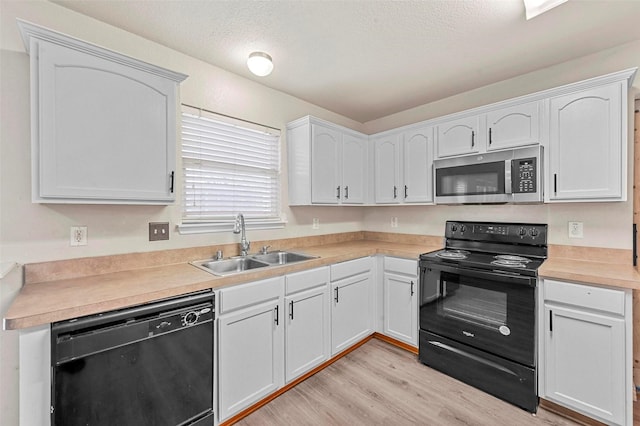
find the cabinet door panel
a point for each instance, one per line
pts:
(418, 161)
(585, 145)
(250, 356)
(326, 152)
(354, 170)
(351, 317)
(400, 308)
(514, 126)
(585, 362)
(460, 136)
(307, 331)
(387, 170)
(106, 131)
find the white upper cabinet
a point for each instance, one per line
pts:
(387, 168)
(327, 163)
(326, 167)
(103, 124)
(588, 144)
(460, 136)
(418, 166)
(514, 126)
(403, 167)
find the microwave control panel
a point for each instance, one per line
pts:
(524, 175)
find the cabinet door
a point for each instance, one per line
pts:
(401, 307)
(250, 356)
(307, 331)
(584, 363)
(514, 126)
(586, 145)
(351, 316)
(460, 136)
(106, 131)
(354, 169)
(326, 157)
(418, 166)
(387, 169)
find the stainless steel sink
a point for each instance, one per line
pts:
(229, 266)
(236, 265)
(282, 257)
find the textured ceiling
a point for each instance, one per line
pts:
(369, 59)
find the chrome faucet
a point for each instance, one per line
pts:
(238, 228)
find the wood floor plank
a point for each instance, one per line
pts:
(380, 384)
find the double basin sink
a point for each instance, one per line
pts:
(239, 264)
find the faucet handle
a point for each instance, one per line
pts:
(219, 255)
(264, 249)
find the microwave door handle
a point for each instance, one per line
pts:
(508, 189)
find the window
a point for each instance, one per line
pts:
(228, 168)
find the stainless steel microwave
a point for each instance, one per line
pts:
(509, 176)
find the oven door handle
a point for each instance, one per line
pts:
(492, 275)
(471, 356)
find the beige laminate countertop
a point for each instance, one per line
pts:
(43, 303)
(591, 272)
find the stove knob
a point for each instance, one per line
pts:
(454, 227)
(534, 232)
(522, 232)
(462, 228)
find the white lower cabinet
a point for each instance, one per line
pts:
(400, 300)
(250, 344)
(585, 361)
(351, 306)
(307, 322)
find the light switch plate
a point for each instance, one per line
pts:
(158, 231)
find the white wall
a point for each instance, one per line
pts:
(605, 224)
(40, 232)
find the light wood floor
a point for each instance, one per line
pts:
(379, 384)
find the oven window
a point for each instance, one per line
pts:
(474, 179)
(475, 305)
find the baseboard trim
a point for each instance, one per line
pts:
(398, 343)
(569, 414)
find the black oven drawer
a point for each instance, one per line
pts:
(504, 379)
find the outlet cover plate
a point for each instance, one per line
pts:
(576, 230)
(158, 231)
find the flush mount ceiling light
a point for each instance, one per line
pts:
(534, 8)
(260, 64)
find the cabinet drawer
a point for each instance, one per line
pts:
(401, 266)
(350, 268)
(306, 279)
(250, 294)
(602, 299)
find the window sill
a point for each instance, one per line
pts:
(227, 226)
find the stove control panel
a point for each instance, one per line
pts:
(535, 234)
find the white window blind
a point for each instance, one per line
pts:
(229, 169)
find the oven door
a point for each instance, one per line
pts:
(491, 311)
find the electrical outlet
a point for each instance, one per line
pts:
(394, 222)
(78, 236)
(316, 223)
(576, 230)
(158, 231)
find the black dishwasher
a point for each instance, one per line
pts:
(147, 365)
